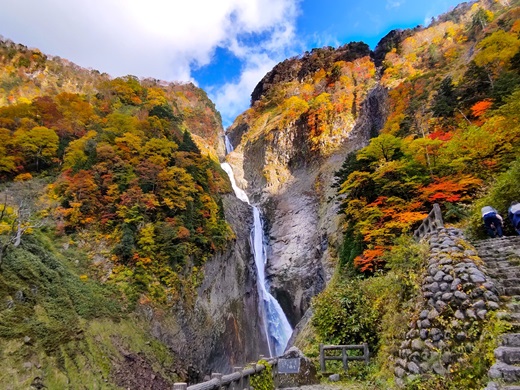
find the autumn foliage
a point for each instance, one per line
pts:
(447, 132)
(126, 169)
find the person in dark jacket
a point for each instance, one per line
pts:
(492, 221)
(514, 215)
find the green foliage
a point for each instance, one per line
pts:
(263, 380)
(351, 247)
(45, 300)
(344, 315)
(446, 100)
(376, 310)
(187, 144)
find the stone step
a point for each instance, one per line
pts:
(496, 241)
(497, 260)
(511, 282)
(509, 355)
(507, 372)
(500, 266)
(510, 339)
(498, 386)
(508, 316)
(512, 291)
(504, 273)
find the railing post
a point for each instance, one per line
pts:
(438, 214)
(274, 368)
(218, 377)
(344, 358)
(180, 386)
(246, 381)
(366, 353)
(241, 380)
(322, 358)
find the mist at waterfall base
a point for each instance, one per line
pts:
(278, 330)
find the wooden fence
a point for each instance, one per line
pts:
(238, 380)
(431, 223)
(344, 356)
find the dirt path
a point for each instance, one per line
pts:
(329, 387)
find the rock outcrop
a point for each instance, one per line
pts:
(293, 186)
(307, 374)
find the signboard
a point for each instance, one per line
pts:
(289, 366)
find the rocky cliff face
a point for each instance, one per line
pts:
(292, 183)
(225, 328)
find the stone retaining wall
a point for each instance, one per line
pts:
(456, 298)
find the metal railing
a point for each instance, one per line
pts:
(430, 224)
(345, 358)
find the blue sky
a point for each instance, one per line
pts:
(224, 46)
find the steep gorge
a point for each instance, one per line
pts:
(292, 182)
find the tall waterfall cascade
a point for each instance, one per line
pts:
(277, 327)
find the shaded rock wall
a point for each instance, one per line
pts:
(224, 329)
(292, 184)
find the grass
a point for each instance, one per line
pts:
(68, 331)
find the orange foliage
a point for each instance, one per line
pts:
(480, 108)
(371, 259)
(441, 135)
(450, 190)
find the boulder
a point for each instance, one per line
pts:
(306, 375)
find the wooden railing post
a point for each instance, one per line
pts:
(246, 382)
(218, 377)
(241, 380)
(344, 357)
(438, 215)
(322, 358)
(274, 367)
(366, 353)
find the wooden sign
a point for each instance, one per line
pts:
(289, 366)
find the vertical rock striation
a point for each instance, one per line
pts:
(224, 329)
(292, 182)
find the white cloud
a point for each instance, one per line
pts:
(394, 3)
(232, 98)
(164, 39)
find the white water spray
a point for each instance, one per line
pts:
(278, 329)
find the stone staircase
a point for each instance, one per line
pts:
(501, 257)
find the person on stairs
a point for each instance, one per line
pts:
(492, 221)
(514, 215)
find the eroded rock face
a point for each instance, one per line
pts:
(224, 329)
(292, 185)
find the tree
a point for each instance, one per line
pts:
(7, 160)
(446, 100)
(187, 144)
(496, 52)
(384, 147)
(38, 145)
(18, 214)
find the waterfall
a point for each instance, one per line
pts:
(229, 146)
(277, 327)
